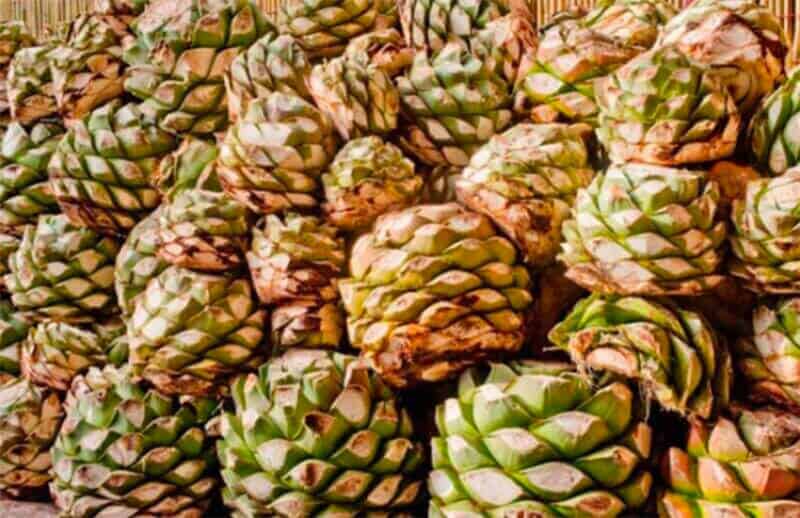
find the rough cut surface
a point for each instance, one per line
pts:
(27, 509)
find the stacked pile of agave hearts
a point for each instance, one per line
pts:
(378, 258)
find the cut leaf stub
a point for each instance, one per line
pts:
(742, 42)
(271, 159)
(774, 133)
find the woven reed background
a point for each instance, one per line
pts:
(40, 14)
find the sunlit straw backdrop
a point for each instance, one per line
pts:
(40, 14)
